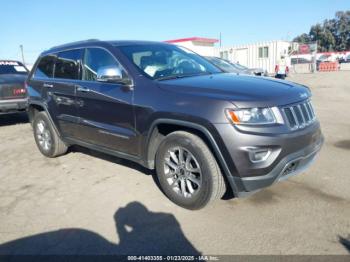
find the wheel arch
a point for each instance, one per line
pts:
(161, 127)
(32, 110)
(36, 106)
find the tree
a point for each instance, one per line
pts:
(303, 39)
(331, 35)
(343, 28)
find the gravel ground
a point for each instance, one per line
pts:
(86, 202)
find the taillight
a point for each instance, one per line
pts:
(19, 91)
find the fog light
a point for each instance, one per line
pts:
(259, 155)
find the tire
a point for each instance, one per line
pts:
(46, 137)
(196, 183)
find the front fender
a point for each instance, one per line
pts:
(211, 135)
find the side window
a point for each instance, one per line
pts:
(95, 59)
(68, 64)
(45, 67)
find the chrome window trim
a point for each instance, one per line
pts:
(55, 53)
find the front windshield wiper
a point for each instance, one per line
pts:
(181, 76)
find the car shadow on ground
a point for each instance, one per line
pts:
(13, 119)
(345, 242)
(140, 231)
(130, 164)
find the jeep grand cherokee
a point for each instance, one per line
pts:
(168, 109)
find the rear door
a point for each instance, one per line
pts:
(61, 92)
(105, 109)
(54, 82)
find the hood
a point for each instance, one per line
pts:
(241, 90)
(12, 78)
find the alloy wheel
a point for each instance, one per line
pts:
(182, 171)
(43, 135)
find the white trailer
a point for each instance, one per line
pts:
(201, 45)
(264, 55)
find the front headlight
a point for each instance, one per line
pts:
(252, 116)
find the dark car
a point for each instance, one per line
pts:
(168, 109)
(13, 93)
(345, 59)
(230, 67)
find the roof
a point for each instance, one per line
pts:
(133, 42)
(193, 39)
(74, 43)
(90, 42)
(10, 60)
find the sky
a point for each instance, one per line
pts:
(41, 24)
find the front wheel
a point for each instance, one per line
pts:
(187, 171)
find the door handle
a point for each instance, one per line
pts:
(82, 89)
(47, 85)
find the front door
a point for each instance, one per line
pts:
(105, 109)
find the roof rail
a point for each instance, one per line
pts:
(73, 43)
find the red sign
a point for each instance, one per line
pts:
(304, 49)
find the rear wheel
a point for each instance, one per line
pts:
(46, 137)
(187, 171)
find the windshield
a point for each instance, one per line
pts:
(12, 67)
(162, 61)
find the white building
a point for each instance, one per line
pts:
(200, 45)
(258, 55)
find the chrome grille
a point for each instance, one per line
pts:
(299, 115)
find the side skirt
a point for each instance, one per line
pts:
(72, 141)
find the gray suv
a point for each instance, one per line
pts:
(204, 131)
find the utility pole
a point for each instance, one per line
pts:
(21, 47)
(220, 40)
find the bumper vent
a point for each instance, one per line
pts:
(299, 115)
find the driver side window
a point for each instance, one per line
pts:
(95, 59)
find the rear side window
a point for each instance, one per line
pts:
(45, 67)
(95, 59)
(68, 64)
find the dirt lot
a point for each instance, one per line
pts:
(87, 202)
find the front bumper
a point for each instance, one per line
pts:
(13, 105)
(291, 165)
(290, 155)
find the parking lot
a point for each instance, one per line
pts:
(87, 202)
